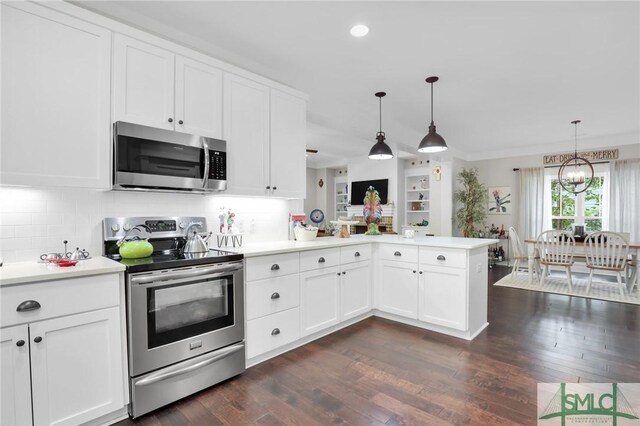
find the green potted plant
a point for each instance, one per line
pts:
(473, 197)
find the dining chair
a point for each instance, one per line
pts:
(556, 248)
(607, 251)
(520, 254)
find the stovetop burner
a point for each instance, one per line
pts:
(168, 241)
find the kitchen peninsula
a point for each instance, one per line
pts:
(300, 291)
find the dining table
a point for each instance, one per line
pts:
(634, 250)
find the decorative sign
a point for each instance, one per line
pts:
(592, 156)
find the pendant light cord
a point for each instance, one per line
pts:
(380, 114)
(431, 102)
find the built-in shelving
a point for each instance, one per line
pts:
(417, 196)
(341, 196)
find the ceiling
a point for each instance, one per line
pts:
(513, 75)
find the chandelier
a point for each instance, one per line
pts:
(576, 173)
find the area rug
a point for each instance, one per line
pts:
(558, 285)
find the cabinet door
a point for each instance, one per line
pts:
(443, 297)
(398, 289)
(319, 297)
(55, 99)
(288, 145)
(77, 369)
(15, 400)
(355, 290)
(198, 98)
(246, 130)
(143, 83)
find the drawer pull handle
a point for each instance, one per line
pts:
(28, 305)
(275, 295)
(321, 260)
(20, 343)
(275, 267)
(397, 253)
(441, 257)
(38, 339)
(275, 332)
(357, 254)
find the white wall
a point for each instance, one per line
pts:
(500, 173)
(37, 220)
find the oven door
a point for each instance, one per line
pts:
(178, 314)
(146, 157)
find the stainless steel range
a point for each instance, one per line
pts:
(185, 312)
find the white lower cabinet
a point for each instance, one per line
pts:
(76, 367)
(272, 331)
(15, 399)
(442, 297)
(319, 300)
(398, 288)
(60, 366)
(355, 290)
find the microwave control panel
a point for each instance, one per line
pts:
(217, 165)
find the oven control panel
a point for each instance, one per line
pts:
(114, 228)
(217, 165)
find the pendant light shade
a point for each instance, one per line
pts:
(576, 173)
(380, 150)
(432, 142)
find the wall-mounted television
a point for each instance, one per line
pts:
(359, 189)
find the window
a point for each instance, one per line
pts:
(587, 208)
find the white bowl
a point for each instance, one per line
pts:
(304, 234)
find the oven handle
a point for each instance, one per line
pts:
(207, 161)
(146, 279)
(178, 370)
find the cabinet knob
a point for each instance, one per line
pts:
(344, 273)
(20, 343)
(28, 305)
(170, 120)
(441, 257)
(338, 274)
(268, 187)
(275, 295)
(180, 122)
(275, 332)
(357, 254)
(275, 187)
(321, 260)
(275, 267)
(415, 272)
(38, 339)
(420, 272)
(397, 253)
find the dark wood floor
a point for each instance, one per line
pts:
(380, 372)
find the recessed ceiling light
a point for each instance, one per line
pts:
(359, 30)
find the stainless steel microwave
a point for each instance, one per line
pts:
(157, 159)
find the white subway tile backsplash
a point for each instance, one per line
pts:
(56, 214)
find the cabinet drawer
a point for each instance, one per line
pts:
(356, 253)
(398, 253)
(270, 332)
(59, 297)
(319, 259)
(456, 258)
(262, 267)
(266, 297)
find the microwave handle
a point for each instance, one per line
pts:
(207, 163)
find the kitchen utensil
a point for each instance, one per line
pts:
(77, 254)
(303, 233)
(195, 243)
(136, 247)
(51, 256)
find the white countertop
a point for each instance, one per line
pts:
(32, 271)
(286, 246)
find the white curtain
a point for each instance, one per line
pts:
(531, 205)
(624, 210)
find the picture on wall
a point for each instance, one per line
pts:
(500, 200)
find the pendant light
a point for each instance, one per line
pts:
(576, 173)
(433, 142)
(380, 150)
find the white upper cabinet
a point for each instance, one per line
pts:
(143, 83)
(198, 98)
(265, 133)
(288, 145)
(246, 130)
(55, 99)
(155, 87)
